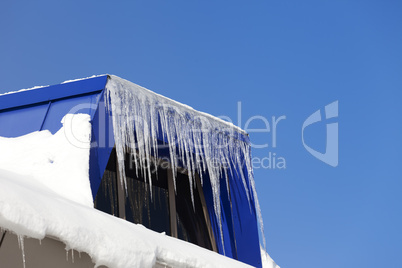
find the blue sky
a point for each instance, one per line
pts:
(278, 58)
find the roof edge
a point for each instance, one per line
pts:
(54, 92)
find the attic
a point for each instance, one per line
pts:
(151, 161)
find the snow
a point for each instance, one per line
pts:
(48, 158)
(79, 79)
(31, 209)
(21, 90)
(267, 261)
(37, 199)
(36, 87)
(218, 150)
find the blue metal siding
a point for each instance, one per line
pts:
(58, 109)
(245, 227)
(33, 110)
(55, 92)
(43, 109)
(20, 122)
(46, 116)
(102, 144)
(239, 222)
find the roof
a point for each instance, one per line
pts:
(43, 109)
(93, 85)
(38, 95)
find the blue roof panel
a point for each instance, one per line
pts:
(43, 108)
(60, 91)
(14, 123)
(85, 104)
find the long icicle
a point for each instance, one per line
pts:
(197, 141)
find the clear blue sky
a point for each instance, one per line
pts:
(278, 58)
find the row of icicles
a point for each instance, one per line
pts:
(199, 142)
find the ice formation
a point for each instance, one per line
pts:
(21, 246)
(197, 141)
(267, 261)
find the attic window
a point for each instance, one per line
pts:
(140, 207)
(165, 211)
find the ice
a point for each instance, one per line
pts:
(21, 246)
(197, 141)
(267, 261)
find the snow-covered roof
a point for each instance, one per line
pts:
(197, 141)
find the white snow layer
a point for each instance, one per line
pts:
(79, 79)
(42, 195)
(36, 87)
(48, 159)
(21, 90)
(136, 112)
(267, 261)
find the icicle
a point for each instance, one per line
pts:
(21, 246)
(259, 214)
(196, 141)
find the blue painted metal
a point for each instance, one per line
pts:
(43, 108)
(102, 144)
(27, 111)
(245, 227)
(44, 119)
(22, 121)
(59, 108)
(228, 247)
(55, 92)
(239, 222)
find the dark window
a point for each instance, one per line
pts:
(106, 198)
(165, 211)
(141, 207)
(191, 224)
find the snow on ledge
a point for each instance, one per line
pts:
(36, 87)
(79, 79)
(31, 209)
